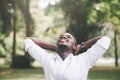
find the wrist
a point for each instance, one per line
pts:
(82, 44)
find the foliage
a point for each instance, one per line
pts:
(5, 17)
(23, 5)
(49, 22)
(5, 23)
(10, 16)
(81, 18)
(2, 51)
(20, 62)
(86, 17)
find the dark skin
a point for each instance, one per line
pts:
(66, 44)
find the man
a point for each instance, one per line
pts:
(80, 48)
(65, 66)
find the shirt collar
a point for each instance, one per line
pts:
(69, 57)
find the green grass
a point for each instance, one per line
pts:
(21, 74)
(104, 74)
(98, 73)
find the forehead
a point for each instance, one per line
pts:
(70, 35)
(67, 34)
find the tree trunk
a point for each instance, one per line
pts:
(116, 48)
(24, 7)
(14, 31)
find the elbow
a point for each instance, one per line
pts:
(28, 43)
(104, 42)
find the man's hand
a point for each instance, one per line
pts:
(77, 50)
(82, 48)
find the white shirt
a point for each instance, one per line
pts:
(73, 67)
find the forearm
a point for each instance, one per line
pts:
(86, 45)
(90, 42)
(44, 44)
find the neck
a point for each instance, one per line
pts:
(64, 51)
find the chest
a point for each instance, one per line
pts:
(66, 70)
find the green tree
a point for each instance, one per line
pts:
(77, 13)
(5, 22)
(115, 20)
(24, 7)
(8, 22)
(110, 12)
(88, 17)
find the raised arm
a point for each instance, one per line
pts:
(90, 42)
(44, 44)
(97, 50)
(80, 48)
(86, 45)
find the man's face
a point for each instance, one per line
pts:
(67, 40)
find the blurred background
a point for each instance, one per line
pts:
(47, 19)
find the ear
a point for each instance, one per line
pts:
(77, 49)
(74, 47)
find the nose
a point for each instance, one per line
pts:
(63, 37)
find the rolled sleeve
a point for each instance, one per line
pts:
(35, 51)
(104, 42)
(96, 51)
(28, 44)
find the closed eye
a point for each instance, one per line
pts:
(69, 37)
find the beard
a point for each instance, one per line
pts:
(63, 48)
